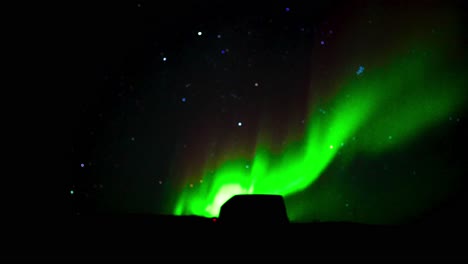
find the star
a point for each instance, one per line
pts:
(82, 165)
(239, 124)
(199, 33)
(360, 70)
(183, 99)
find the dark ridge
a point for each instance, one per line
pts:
(159, 237)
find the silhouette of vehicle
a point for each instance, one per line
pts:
(254, 210)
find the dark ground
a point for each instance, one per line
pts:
(438, 235)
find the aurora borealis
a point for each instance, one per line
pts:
(365, 104)
(387, 106)
(352, 110)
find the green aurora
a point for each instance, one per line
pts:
(396, 100)
(424, 93)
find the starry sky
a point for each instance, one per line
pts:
(352, 110)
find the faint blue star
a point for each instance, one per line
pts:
(360, 70)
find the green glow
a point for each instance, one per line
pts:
(384, 108)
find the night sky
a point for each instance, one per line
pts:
(352, 110)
